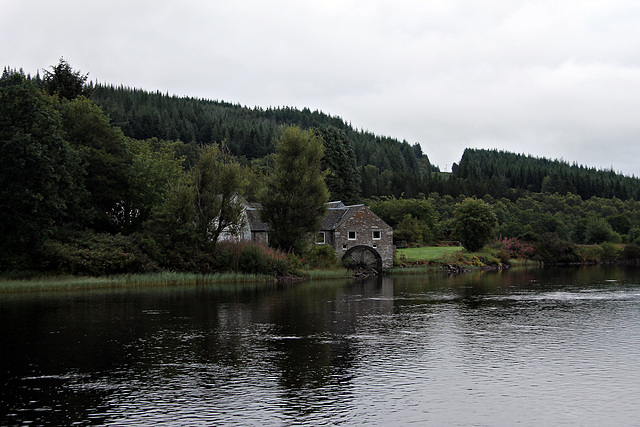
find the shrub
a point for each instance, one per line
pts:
(251, 258)
(589, 253)
(631, 252)
(96, 255)
(550, 248)
(604, 252)
(610, 251)
(517, 248)
(320, 256)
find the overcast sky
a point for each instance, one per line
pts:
(555, 79)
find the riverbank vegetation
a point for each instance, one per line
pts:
(75, 283)
(103, 180)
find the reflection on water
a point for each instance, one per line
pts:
(551, 346)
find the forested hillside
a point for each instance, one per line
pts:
(387, 167)
(248, 132)
(500, 171)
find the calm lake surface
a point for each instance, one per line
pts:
(528, 347)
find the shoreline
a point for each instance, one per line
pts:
(55, 283)
(65, 283)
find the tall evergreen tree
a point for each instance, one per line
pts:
(295, 195)
(65, 81)
(343, 178)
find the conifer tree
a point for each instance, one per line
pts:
(343, 178)
(65, 81)
(294, 198)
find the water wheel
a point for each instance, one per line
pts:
(363, 258)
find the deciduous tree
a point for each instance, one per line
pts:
(197, 210)
(103, 151)
(473, 223)
(216, 182)
(38, 167)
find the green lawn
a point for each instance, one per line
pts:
(427, 253)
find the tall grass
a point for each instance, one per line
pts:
(334, 273)
(422, 269)
(70, 283)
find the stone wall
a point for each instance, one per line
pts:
(367, 227)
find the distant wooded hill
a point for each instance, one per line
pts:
(387, 166)
(248, 132)
(499, 171)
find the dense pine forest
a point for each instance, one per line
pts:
(250, 132)
(500, 171)
(94, 179)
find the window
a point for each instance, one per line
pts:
(352, 235)
(377, 234)
(320, 238)
(344, 247)
(375, 246)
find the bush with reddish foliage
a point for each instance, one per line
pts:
(252, 258)
(517, 248)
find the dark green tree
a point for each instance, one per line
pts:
(343, 178)
(216, 183)
(156, 169)
(598, 230)
(403, 214)
(295, 195)
(410, 230)
(104, 154)
(369, 177)
(38, 167)
(65, 81)
(473, 223)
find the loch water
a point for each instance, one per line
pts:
(552, 346)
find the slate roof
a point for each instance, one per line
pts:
(337, 213)
(336, 216)
(255, 223)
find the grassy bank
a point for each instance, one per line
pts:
(320, 274)
(433, 258)
(408, 261)
(72, 283)
(427, 253)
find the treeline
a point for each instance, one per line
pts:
(248, 132)
(497, 172)
(387, 167)
(552, 225)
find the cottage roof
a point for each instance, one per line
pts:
(255, 223)
(337, 215)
